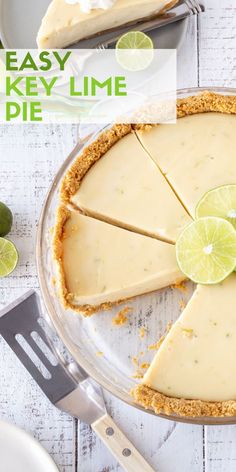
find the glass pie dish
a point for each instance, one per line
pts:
(115, 356)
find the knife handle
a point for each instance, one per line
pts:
(122, 449)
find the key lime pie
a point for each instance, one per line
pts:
(94, 256)
(68, 21)
(125, 202)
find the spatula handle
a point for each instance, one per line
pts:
(123, 450)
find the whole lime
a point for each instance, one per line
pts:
(6, 219)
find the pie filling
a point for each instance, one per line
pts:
(199, 157)
(95, 255)
(66, 24)
(116, 181)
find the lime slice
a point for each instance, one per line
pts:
(134, 51)
(8, 257)
(221, 202)
(206, 250)
(5, 219)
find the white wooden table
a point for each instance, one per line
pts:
(29, 158)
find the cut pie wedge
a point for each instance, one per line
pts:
(130, 199)
(100, 264)
(127, 189)
(65, 24)
(194, 370)
(200, 154)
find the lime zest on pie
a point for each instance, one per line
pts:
(6, 219)
(65, 24)
(221, 202)
(92, 257)
(134, 51)
(207, 315)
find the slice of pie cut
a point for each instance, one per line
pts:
(194, 370)
(100, 264)
(65, 24)
(196, 154)
(126, 188)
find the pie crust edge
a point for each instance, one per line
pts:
(205, 102)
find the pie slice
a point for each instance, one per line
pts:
(100, 264)
(65, 24)
(194, 370)
(127, 189)
(196, 154)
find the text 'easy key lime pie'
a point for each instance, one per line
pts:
(68, 21)
(125, 202)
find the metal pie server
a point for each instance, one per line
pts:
(67, 386)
